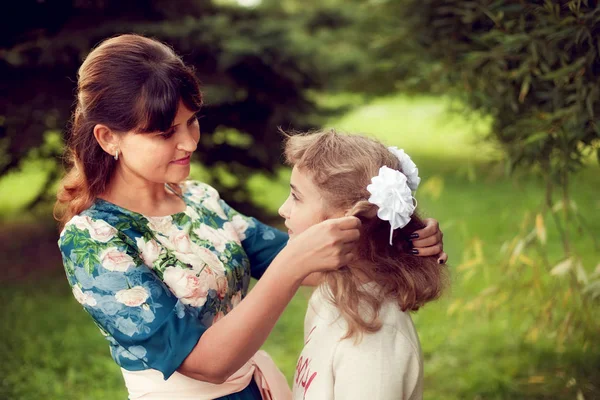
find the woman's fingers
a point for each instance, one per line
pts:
(350, 236)
(443, 258)
(345, 223)
(428, 251)
(428, 241)
(349, 228)
(348, 258)
(431, 228)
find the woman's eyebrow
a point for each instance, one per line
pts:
(191, 118)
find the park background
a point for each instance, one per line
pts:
(497, 102)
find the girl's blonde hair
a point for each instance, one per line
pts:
(342, 166)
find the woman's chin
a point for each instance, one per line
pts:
(180, 176)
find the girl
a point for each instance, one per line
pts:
(360, 342)
(163, 264)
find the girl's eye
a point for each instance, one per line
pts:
(294, 197)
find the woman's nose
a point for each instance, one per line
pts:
(190, 141)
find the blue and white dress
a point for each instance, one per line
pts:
(153, 285)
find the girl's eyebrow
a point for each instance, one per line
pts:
(295, 188)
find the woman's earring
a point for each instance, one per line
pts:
(117, 155)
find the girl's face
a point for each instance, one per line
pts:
(305, 206)
(161, 157)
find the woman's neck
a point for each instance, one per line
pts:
(142, 196)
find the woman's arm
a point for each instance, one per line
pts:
(146, 325)
(230, 342)
(313, 279)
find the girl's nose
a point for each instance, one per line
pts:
(283, 210)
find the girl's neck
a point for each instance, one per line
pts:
(359, 268)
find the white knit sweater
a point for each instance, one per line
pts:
(386, 365)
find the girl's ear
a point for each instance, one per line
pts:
(347, 212)
(336, 214)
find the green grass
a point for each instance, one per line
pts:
(469, 353)
(53, 350)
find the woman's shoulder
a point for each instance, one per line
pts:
(97, 230)
(98, 222)
(206, 198)
(198, 189)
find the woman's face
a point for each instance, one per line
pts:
(305, 206)
(161, 157)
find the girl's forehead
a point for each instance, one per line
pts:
(302, 180)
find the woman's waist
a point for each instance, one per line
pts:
(150, 384)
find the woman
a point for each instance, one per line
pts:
(162, 264)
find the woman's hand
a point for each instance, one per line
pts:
(232, 340)
(429, 241)
(325, 246)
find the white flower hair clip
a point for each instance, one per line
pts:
(408, 167)
(391, 193)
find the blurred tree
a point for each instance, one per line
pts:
(257, 66)
(534, 67)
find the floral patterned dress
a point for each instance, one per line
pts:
(153, 285)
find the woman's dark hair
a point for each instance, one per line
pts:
(128, 83)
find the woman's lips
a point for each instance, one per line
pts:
(182, 161)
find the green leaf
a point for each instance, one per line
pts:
(593, 290)
(580, 273)
(562, 268)
(524, 88)
(536, 137)
(181, 219)
(88, 266)
(123, 226)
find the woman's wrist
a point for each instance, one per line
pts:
(289, 268)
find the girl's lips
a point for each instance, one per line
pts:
(182, 161)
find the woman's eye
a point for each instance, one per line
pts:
(167, 135)
(294, 197)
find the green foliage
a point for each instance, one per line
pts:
(471, 350)
(533, 66)
(534, 69)
(257, 67)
